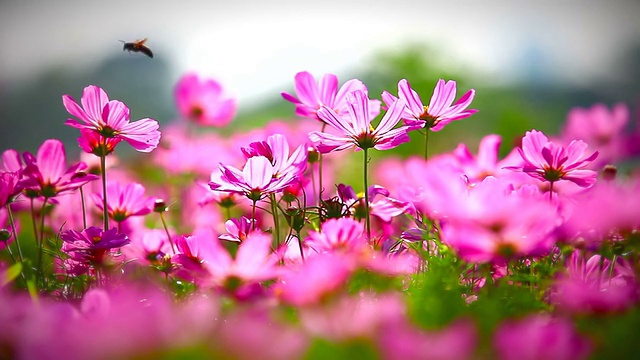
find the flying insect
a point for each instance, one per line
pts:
(138, 46)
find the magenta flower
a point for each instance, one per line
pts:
(276, 149)
(254, 181)
(383, 207)
(345, 234)
(89, 247)
(356, 130)
(540, 337)
(237, 229)
(312, 96)
(548, 161)
(110, 119)
(150, 247)
(440, 111)
(124, 201)
(203, 101)
(10, 187)
(46, 174)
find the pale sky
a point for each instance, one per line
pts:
(256, 47)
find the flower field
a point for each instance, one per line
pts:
(255, 245)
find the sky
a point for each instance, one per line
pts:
(256, 47)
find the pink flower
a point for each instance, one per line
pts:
(338, 234)
(124, 201)
(602, 128)
(46, 173)
(440, 112)
(10, 187)
(548, 161)
(540, 337)
(356, 130)
(192, 252)
(89, 247)
(237, 229)
(589, 286)
(254, 181)
(110, 119)
(312, 96)
(203, 101)
(276, 149)
(384, 207)
(149, 247)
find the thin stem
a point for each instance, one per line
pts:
(166, 229)
(274, 213)
(320, 174)
(366, 194)
(253, 216)
(41, 242)
(426, 143)
(300, 245)
(15, 233)
(550, 191)
(103, 171)
(84, 209)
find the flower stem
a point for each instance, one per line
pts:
(103, 173)
(253, 216)
(320, 174)
(426, 143)
(84, 209)
(41, 242)
(366, 194)
(300, 245)
(550, 191)
(274, 212)
(15, 233)
(166, 229)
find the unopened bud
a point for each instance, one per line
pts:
(5, 235)
(609, 172)
(159, 206)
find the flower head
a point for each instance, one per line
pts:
(313, 95)
(89, 247)
(111, 120)
(548, 161)
(47, 175)
(203, 102)
(124, 201)
(440, 111)
(276, 149)
(356, 130)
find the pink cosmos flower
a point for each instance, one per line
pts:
(237, 229)
(312, 96)
(10, 187)
(276, 149)
(548, 161)
(110, 119)
(254, 181)
(149, 247)
(540, 337)
(254, 262)
(589, 286)
(192, 252)
(356, 130)
(602, 128)
(46, 173)
(89, 247)
(203, 101)
(124, 201)
(440, 111)
(383, 207)
(338, 234)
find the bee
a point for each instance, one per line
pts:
(137, 46)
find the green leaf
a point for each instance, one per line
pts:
(11, 274)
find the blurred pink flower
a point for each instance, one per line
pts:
(312, 96)
(356, 130)
(540, 337)
(344, 234)
(440, 111)
(383, 206)
(603, 129)
(10, 187)
(589, 285)
(111, 120)
(237, 229)
(89, 247)
(203, 101)
(548, 161)
(148, 247)
(47, 174)
(124, 201)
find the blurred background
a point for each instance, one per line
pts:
(530, 62)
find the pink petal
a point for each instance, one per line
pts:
(307, 89)
(93, 101)
(329, 116)
(51, 159)
(74, 109)
(115, 114)
(391, 118)
(410, 97)
(142, 135)
(347, 88)
(258, 172)
(358, 106)
(328, 89)
(326, 143)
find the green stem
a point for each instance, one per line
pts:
(253, 216)
(366, 194)
(84, 209)
(274, 212)
(103, 171)
(15, 233)
(426, 143)
(41, 242)
(166, 229)
(300, 245)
